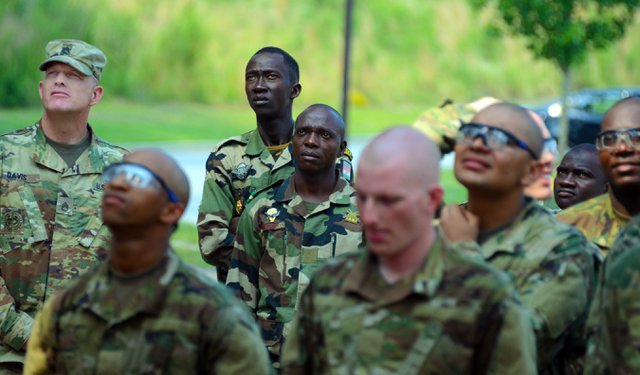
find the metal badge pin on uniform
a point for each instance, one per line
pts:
(351, 217)
(272, 214)
(239, 206)
(241, 171)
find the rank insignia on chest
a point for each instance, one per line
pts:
(12, 221)
(351, 217)
(272, 214)
(239, 206)
(241, 171)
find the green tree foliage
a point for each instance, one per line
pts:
(404, 51)
(562, 31)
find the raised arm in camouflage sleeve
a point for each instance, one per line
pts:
(552, 267)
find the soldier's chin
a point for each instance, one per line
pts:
(627, 194)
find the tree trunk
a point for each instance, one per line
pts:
(563, 142)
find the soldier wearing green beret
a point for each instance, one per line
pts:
(409, 304)
(288, 230)
(50, 190)
(550, 263)
(144, 311)
(240, 167)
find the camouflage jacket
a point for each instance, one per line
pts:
(614, 320)
(236, 170)
(177, 320)
(280, 244)
(552, 267)
(441, 124)
(597, 220)
(455, 315)
(50, 225)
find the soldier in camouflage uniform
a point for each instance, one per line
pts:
(50, 189)
(600, 218)
(290, 229)
(550, 263)
(410, 304)
(239, 167)
(614, 320)
(145, 311)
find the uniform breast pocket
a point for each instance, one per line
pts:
(21, 221)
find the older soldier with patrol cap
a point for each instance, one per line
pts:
(614, 320)
(550, 263)
(287, 231)
(410, 304)
(50, 190)
(144, 311)
(239, 167)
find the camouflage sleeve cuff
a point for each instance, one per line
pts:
(16, 328)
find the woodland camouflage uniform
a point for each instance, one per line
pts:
(51, 229)
(552, 267)
(171, 320)
(236, 170)
(614, 320)
(597, 220)
(280, 244)
(455, 315)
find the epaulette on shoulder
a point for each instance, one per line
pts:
(242, 139)
(23, 131)
(107, 144)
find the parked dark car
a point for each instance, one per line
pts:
(586, 110)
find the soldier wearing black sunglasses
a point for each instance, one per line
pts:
(548, 261)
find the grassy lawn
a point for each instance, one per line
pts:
(126, 122)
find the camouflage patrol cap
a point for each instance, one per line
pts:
(441, 124)
(83, 57)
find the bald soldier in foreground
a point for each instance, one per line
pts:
(549, 262)
(144, 311)
(410, 304)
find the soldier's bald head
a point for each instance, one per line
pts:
(515, 119)
(165, 167)
(330, 114)
(407, 149)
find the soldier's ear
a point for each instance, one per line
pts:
(295, 91)
(171, 213)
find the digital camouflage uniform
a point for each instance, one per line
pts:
(614, 321)
(455, 315)
(236, 170)
(552, 267)
(176, 320)
(280, 244)
(597, 220)
(441, 124)
(50, 226)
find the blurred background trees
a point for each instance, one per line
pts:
(404, 51)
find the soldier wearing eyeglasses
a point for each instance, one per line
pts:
(550, 263)
(50, 190)
(144, 310)
(614, 329)
(601, 218)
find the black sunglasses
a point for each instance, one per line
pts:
(492, 137)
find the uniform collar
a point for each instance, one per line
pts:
(89, 162)
(366, 281)
(99, 300)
